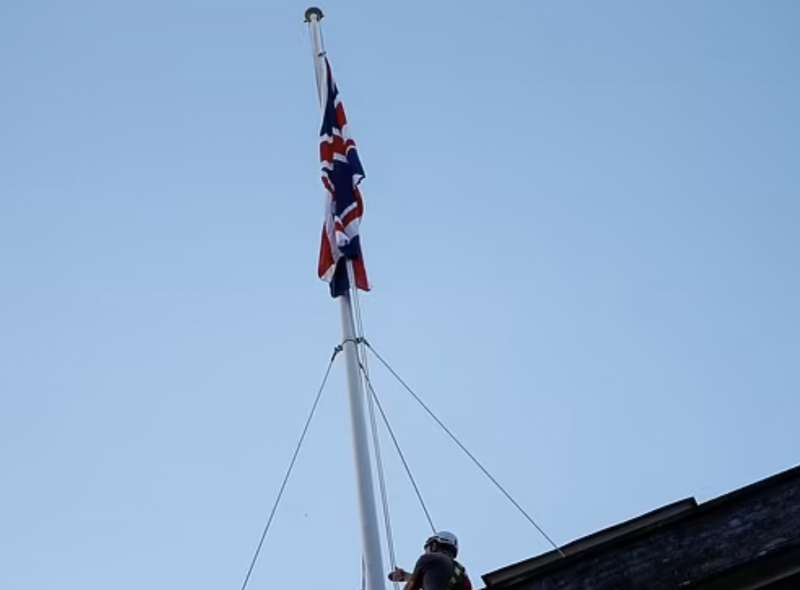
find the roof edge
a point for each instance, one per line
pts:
(625, 531)
(582, 544)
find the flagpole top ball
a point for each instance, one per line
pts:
(313, 11)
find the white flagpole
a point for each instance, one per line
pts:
(370, 531)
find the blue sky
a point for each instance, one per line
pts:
(581, 228)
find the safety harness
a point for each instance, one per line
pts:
(457, 579)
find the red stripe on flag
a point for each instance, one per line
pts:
(360, 271)
(326, 260)
(352, 216)
(341, 118)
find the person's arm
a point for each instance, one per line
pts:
(399, 575)
(412, 582)
(412, 579)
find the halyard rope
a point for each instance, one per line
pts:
(399, 452)
(361, 357)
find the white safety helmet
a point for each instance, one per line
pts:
(444, 538)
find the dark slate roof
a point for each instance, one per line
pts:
(691, 537)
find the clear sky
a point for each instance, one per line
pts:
(582, 229)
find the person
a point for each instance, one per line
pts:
(437, 568)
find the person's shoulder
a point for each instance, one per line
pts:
(431, 559)
(424, 560)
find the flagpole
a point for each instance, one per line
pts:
(370, 531)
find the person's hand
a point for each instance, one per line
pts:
(398, 575)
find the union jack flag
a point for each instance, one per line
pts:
(341, 175)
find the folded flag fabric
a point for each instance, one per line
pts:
(341, 174)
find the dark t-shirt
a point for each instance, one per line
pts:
(433, 572)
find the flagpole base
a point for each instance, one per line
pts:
(313, 11)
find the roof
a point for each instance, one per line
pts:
(625, 532)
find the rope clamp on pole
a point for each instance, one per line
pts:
(340, 347)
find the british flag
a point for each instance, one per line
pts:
(341, 175)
